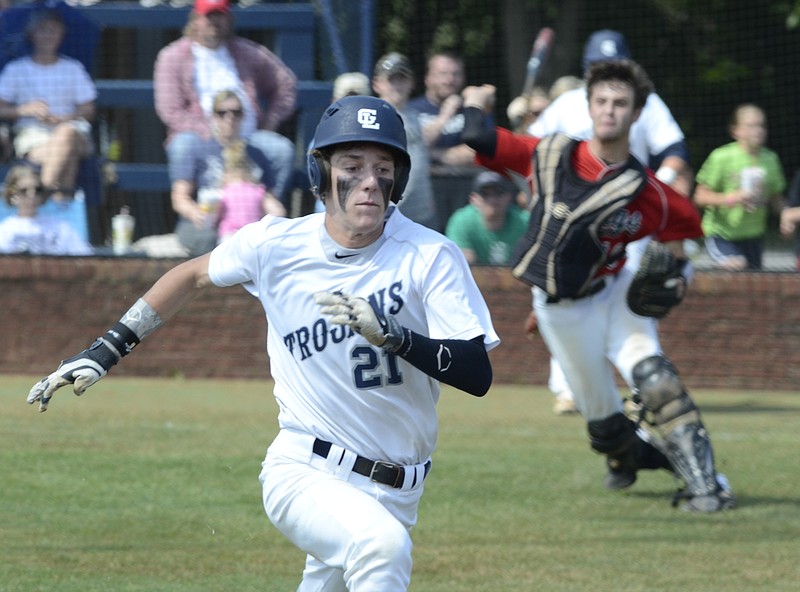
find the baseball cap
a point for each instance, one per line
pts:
(205, 7)
(393, 63)
(605, 45)
(488, 179)
(350, 83)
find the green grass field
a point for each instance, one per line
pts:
(151, 485)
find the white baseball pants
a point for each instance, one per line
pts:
(355, 531)
(590, 337)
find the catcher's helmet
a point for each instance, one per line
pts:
(359, 119)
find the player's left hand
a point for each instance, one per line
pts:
(377, 328)
(659, 283)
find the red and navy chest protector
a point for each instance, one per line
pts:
(562, 249)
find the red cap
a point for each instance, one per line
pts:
(204, 7)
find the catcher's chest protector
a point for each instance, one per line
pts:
(561, 250)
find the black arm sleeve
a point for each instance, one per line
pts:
(476, 134)
(460, 363)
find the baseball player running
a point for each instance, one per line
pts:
(367, 312)
(593, 199)
(656, 140)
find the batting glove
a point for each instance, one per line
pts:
(366, 320)
(89, 366)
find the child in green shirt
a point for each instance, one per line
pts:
(735, 186)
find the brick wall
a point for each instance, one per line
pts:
(733, 330)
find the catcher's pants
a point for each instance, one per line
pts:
(355, 531)
(593, 335)
(557, 383)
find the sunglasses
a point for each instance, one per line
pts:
(33, 190)
(237, 113)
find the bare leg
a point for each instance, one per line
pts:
(59, 159)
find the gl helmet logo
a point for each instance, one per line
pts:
(368, 119)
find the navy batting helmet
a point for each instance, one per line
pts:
(359, 119)
(605, 45)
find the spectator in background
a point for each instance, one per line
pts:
(488, 227)
(562, 85)
(523, 111)
(441, 115)
(735, 186)
(350, 84)
(393, 81)
(51, 99)
(243, 199)
(790, 216)
(209, 58)
(197, 176)
(28, 231)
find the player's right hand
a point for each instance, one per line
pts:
(482, 97)
(377, 328)
(81, 371)
(531, 325)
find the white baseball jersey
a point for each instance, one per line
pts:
(654, 131)
(329, 381)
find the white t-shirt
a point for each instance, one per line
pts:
(41, 235)
(329, 381)
(215, 71)
(654, 131)
(64, 85)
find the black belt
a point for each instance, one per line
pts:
(376, 470)
(594, 288)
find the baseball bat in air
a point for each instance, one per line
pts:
(539, 52)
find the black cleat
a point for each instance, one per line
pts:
(618, 476)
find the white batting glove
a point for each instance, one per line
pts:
(81, 371)
(377, 328)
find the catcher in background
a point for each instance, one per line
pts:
(593, 198)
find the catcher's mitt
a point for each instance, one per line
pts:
(659, 283)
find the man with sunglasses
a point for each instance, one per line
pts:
(210, 58)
